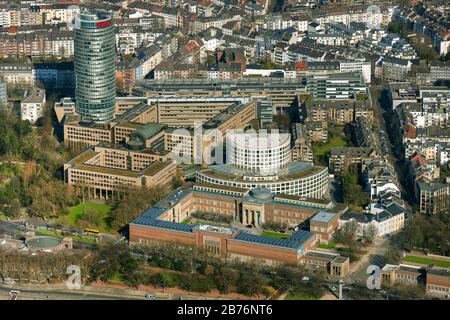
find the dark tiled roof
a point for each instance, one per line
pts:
(357, 216)
(394, 209)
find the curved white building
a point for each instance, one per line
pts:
(263, 161)
(263, 153)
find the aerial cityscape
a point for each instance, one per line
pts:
(225, 150)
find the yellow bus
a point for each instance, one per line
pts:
(91, 231)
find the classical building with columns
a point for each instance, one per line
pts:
(165, 222)
(107, 168)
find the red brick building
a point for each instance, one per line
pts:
(325, 225)
(438, 283)
(163, 223)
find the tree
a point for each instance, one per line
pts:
(49, 199)
(370, 232)
(282, 121)
(132, 204)
(407, 292)
(111, 259)
(428, 233)
(350, 229)
(225, 279)
(12, 209)
(426, 52)
(392, 255)
(352, 191)
(176, 182)
(399, 27)
(90, 217)
(250, 283)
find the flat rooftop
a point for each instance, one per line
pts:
(294, 242)
(294, 170)
(322, 216)
(215, 229)
(321, 255)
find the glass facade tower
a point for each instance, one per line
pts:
(94, 64)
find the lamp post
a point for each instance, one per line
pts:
(341, 282)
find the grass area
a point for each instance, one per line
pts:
(275, 235)
(427, 261)
(330, 245)
(116, 279)
(300, 296)
(336, 139)
(55, 234)
(186, 221)
(77, 212)
(321, 149)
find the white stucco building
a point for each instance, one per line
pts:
(32, 107)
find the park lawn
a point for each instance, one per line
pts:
(299, 296)
(77, 211)
(427, 261)
(51, 233)
(275, 235)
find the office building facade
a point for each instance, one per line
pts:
(95, 67)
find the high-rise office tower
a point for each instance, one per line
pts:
(94, 63)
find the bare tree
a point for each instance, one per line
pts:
(371, 232)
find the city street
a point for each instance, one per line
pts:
(63, 295)
(381, 106)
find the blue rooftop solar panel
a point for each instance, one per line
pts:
(243, 236)
(148, 215)
(301, 236)
(150, 218)
(170, 225)
(296, 240)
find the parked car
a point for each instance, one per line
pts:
(150, 296)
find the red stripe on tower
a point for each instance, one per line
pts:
(103, 24)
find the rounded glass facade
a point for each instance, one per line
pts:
(94, 63)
